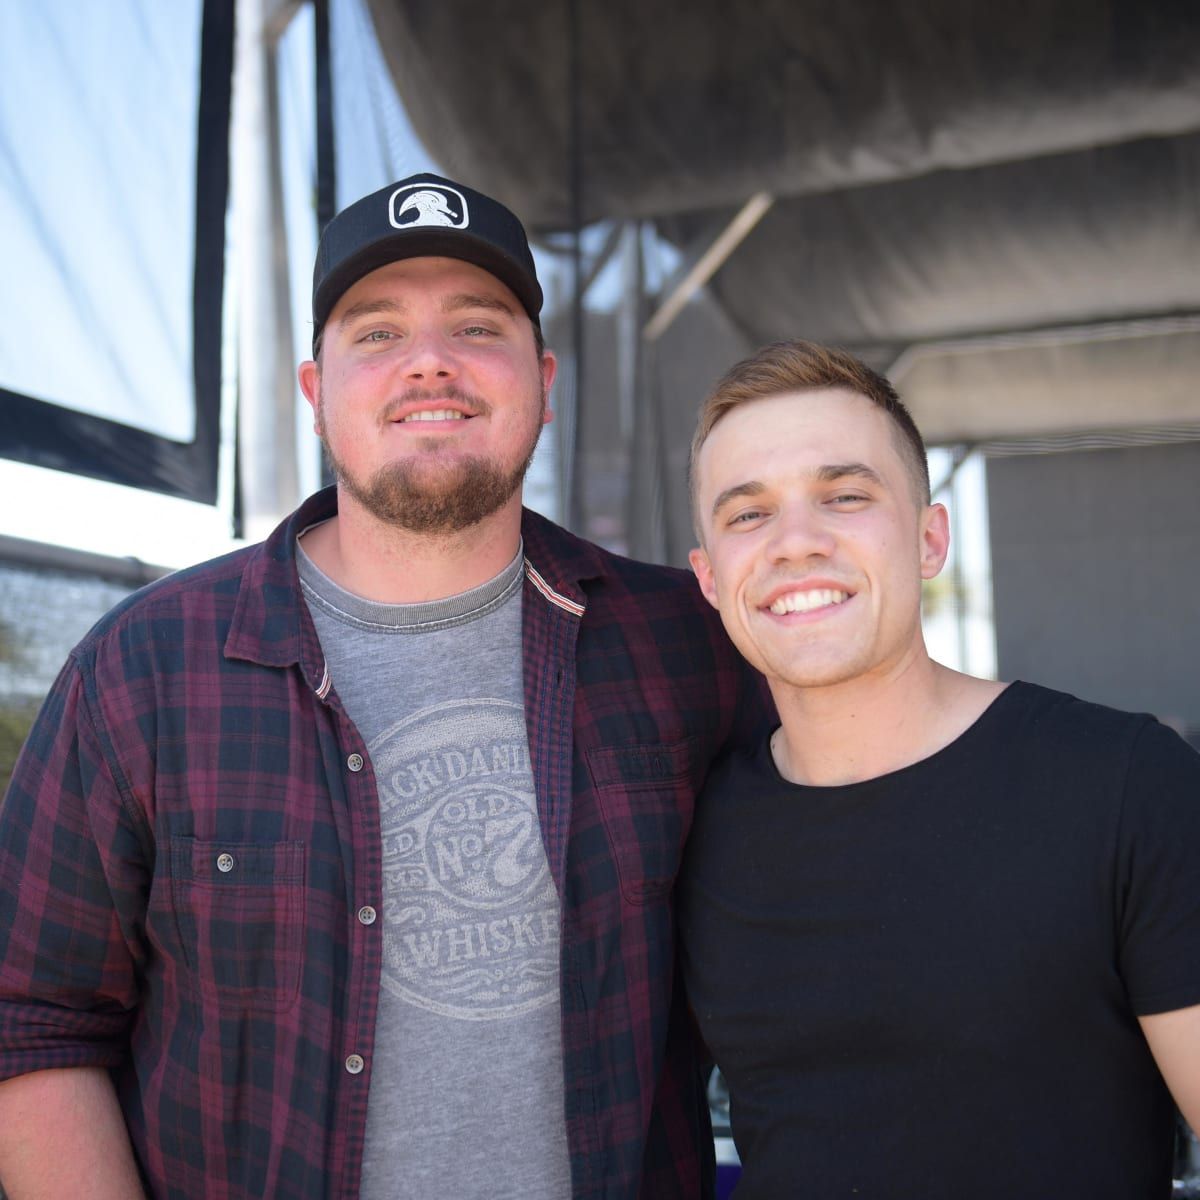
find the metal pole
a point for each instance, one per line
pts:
(266, 391)
(570, 463)
(709, 263)
(326, 157)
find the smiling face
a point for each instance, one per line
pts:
(814, 541)
(430, 394)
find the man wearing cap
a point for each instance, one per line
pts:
(341, 866)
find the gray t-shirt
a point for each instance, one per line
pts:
(467, 1082)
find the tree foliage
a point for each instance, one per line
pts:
(15, 721)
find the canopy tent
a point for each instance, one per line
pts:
(1000, 212)
(1000, 209)
(996, 205)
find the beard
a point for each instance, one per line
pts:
(431, 497)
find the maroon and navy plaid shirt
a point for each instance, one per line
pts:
(190, 853)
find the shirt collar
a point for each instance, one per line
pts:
(560, 559)
(271, 624)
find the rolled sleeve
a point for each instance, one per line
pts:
(72, 896)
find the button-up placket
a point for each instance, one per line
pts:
(355, 798)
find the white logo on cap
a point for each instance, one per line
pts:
(427, 204)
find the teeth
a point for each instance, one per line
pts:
(437, 414)
(807, 601)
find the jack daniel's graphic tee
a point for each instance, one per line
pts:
(466, 1088)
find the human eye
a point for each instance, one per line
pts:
(746, 516)
(375, 337)
(844, 500)
(476, 330)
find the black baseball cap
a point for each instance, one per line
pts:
(422, 216)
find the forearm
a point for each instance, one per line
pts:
(62, 1134)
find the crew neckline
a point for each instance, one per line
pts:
(960, 744)
(421, 617)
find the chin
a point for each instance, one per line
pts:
(814, 674)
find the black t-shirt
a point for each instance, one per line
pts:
(925, 986)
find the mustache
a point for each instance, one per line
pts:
(475, 406)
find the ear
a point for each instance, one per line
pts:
(549, 371)
(935, 539)
(704, 574)
(309, 375)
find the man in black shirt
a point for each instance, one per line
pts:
(941, 934)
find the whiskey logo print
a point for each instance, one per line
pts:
(471, 915)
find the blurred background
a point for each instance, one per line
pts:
(996, 205)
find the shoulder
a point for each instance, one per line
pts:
(642, 580)
(1091, 746)
(739, 786)
(744, 764)
(742, 802)
(607, 578)
(166, 609)
(1041, 715)
(644, 626)
(257, 582)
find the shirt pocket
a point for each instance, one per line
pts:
(645, 794)
(239, 914)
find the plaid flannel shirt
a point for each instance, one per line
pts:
(193, 829)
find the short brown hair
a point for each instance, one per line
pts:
(798, 366)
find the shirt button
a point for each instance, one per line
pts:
(355, 763)
(355, 1064)
(366, 915)
(225, 863)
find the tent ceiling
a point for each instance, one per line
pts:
(942, 169)
(689, 104)
(1087, 236)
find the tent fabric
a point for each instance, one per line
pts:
(1133, 377)
(945, 170)
(1097, 234)
(691, 105)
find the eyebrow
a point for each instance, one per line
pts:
(857, 470)
(450, 304)
(750, 488)
(461, 300)
(366, 308)
(829, 473)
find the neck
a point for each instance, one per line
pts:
(390, 565)
(866, 727)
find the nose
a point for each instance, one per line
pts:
(800, 532)
(430, 359)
